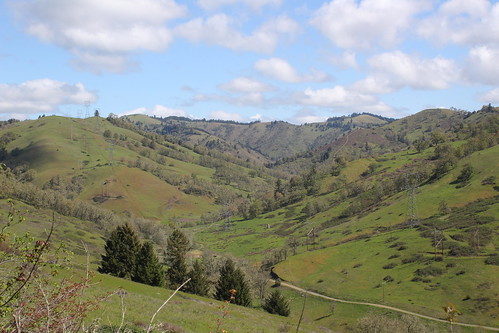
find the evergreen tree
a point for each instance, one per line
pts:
(232, 278)
(176, 248)
(275, 303)
(148, 269)
(199, 282)
(121, 251)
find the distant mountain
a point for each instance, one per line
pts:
(257, 140)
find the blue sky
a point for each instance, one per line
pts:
(246, 60)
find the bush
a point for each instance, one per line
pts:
(418, 257)
(275, 303)
(492, 259)
(429, 270)
(388, 278)
(457, 250)
(390, 265)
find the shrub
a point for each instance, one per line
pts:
(492, 259)
(390, 265)
(388, 278)
(275, 303)
(417, 257)
(457, 250)
(429, 270)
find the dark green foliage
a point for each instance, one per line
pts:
(388, 278)
(107, 133)
(390, 265)
(176, 248)
(492, 259)
(413, 258)
(198, 284)
(457, 250)
(464, 177)
(148, 269)
(121, 252)
(232, 278)
(429, 270)
(275, 303)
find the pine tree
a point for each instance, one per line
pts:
(176, 248)
(275, 303)
(121, 251)
(232, 278)
(199, 282)
(148, 270)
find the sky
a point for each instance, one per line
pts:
(246, 60)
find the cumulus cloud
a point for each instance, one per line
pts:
(463, 22)
(491, 96)
(221, 30)
(340, 97)
(395, 70)
(254, 4)
(353, 24)
(336, 96)
(482, 65)
(307, 116)
(245, 85)
(347, 59)
(158, 110)
(98, 32)
(280, 69)
(42, 96)
(222, 115)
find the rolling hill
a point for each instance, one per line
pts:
(398, 212)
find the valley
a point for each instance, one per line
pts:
(402, 213)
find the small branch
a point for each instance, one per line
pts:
(159, 309)
(33, 268)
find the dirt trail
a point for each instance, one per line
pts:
(287, 285)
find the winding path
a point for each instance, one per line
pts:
(287, 285)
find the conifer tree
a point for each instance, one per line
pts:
(232, 278)
(176, 248)
(121, 251)
(148, 269)
(199, 282)
(275, 303)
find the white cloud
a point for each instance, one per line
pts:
(394, 70)
(307, 116)
(280, 69)
(254, 4)
(98, 31)
(222, 115)
(491, 96)
(247, 99)
(336, 96)
(463, 22)
(352, 24)
(482, 65)
(256, 117)
(41, 96)
(220, 29)
(245, 85)
(347, 59)
(159, 111)
(340, 98)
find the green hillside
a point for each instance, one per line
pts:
(272, 140)
(403, 213)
